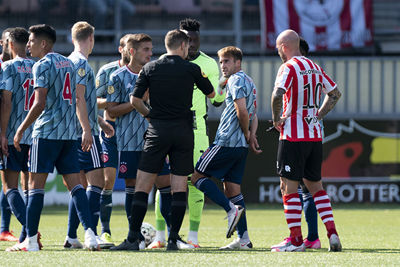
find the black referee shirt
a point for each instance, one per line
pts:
(170, 80)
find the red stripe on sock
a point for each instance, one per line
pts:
(295, 231)
(330, 225)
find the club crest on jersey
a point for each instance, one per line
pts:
(110, 89)
(310, 120)
(97, 83)
(81, 72)
(204, 75)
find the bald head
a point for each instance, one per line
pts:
(288, 38)
(287, 44)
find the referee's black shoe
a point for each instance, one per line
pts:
(172, 244)
(126, 245)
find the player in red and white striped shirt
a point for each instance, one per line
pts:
(298, 88)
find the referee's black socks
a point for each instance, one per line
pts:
(139, 209)
(178, 208)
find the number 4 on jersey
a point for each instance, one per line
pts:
(67, 93)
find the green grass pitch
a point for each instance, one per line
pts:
(370, 236)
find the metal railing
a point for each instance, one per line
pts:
(370, 86)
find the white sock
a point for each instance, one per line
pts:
(193, 237)
(160, 236)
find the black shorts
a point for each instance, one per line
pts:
(168, 137)
(298, 160)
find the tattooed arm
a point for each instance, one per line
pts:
(276, 106)
(329, 102)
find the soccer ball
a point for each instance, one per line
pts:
(149, 233)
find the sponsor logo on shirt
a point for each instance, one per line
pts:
(310, 119)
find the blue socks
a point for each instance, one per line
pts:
(93, 194)
(210, 189)
(311, 215)
(34, 210)
(105, 210)
(82, 206)
(93, 198)
(129, 192)
(165, 204)
(242, 224)
(5, 213)
(18, 208)
(73, 219)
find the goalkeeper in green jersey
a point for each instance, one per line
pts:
(210, 69)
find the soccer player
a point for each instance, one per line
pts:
(169, 82)
(300, 143)
(91, 167)
(312, 241)
(5, 234)
(54, 133)
(109, 145)
(130, 125)
(225, 159)
(16, 100)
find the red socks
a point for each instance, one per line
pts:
(292, 207)
(323, 205)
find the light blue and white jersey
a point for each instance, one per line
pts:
(58, 119)
(130, 127)
(85, 77)
(103, 77)
(18, 79)
(229, 133)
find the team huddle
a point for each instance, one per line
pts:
(154, 132)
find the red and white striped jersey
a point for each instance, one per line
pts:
(303, 80)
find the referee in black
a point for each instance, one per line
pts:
(170, 81)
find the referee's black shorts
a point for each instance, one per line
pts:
(298, 160)
(174, 138)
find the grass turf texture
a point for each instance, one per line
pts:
(369, 235)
